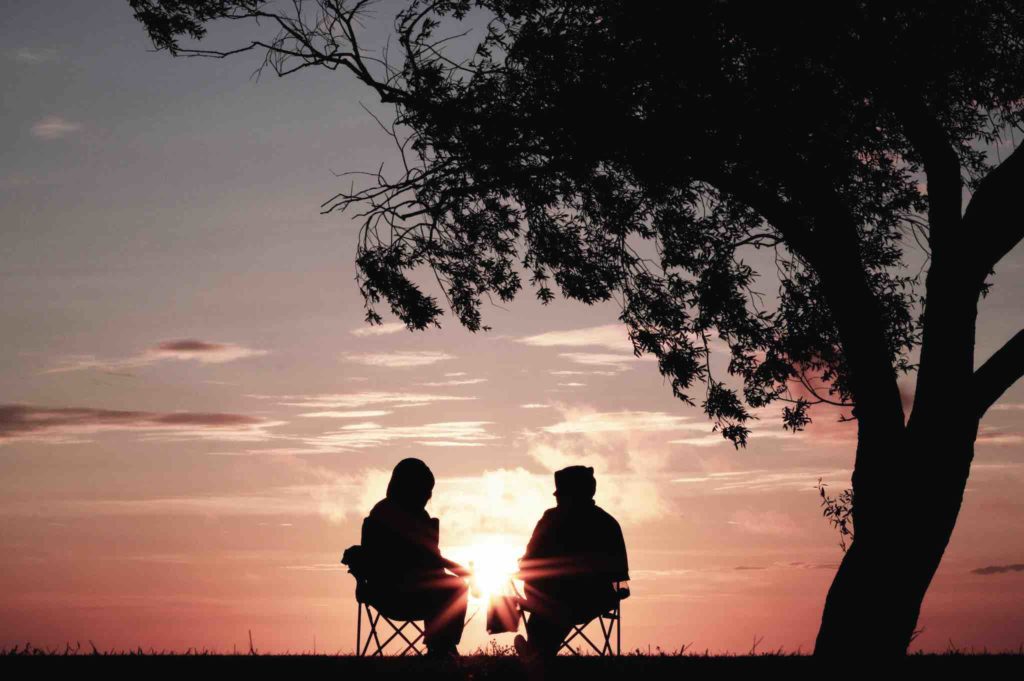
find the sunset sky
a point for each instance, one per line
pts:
(194, 418)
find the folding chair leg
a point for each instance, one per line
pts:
(359, 629)
(376, 638)
(619, 631)
(372, 640)
(409, 645)
(592, 645)
(399, 632)
(606, 634)
(576, 631)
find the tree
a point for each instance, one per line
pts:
(639, 153)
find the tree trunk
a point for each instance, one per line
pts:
(903, 524)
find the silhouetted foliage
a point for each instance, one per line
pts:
(838, 511)
(641, 152)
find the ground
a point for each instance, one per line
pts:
(499, 668)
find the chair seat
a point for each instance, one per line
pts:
(390, 609)
(582, 616)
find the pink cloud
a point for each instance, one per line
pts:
(205, 352)
(62, 425)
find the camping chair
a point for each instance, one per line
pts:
(610, 622)
(360, 567)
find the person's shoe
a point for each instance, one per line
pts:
(524, 649)
(443, 653)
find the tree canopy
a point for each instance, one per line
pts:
(618, 151)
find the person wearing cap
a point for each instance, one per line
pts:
(407, 570)
(574, 559)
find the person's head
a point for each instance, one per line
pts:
(574, 485)
(411, 484)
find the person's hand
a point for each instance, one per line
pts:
(460, 571)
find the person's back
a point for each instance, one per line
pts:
(402, 543)
(575, 556)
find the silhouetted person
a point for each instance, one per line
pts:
(406, 575)
(572, 564)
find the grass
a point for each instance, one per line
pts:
(495, 663)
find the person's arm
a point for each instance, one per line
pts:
(435, 550)
(621, 569)
(454, 567)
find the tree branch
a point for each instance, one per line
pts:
(941, 166)
(998, 373)
(993, 215)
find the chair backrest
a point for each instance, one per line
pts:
(356, 560)
(369, 589)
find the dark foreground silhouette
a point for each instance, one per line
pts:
(497, 668)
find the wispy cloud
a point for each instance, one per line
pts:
(204, 351)
(190, 349)
(535, 405)
(401, 359)
(54, 127)
(365, 414)
(998, 436)
(795, 479)
(716, 439)
(1007, 406)
(710, 440)
(442, 434)
(359, 400)
(34, 55)
(586, 421)
(998, 569)
(281, 502)
(607, 337)
(604, 359)
(379, 330)
(611, 336)
(454, 382)
(765, 523)
(66, 425)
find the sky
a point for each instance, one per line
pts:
(194, 418)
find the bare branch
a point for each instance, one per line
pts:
(998, 373)
(993, 215)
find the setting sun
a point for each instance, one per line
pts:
(493, 562)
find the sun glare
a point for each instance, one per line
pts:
(493, 560)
